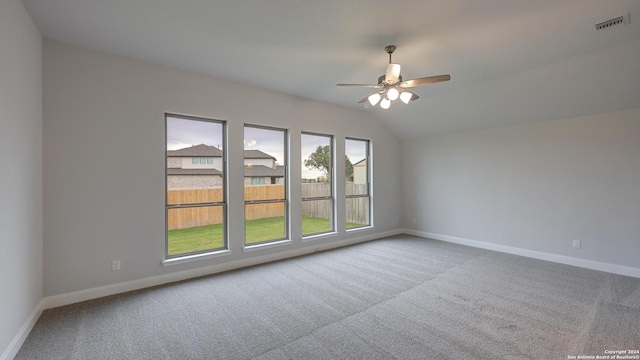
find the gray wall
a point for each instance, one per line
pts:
(103, 118)
(20, 169)
(535, 187)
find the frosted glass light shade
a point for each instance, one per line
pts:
(373, 99)
(406, 97)
(393, 94)
(385, 103)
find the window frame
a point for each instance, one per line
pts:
(368, 195)
(206, 253)
(332, 190)
(287, 216)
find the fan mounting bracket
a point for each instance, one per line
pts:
(390, 49)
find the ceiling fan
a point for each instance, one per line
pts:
(393, 87)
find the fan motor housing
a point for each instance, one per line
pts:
(381, 79)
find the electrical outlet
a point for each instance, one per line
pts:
(115, 265)
(576, 244)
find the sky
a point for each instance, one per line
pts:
(182, 133)
(356, 150)
(266, 140)
(309, 144)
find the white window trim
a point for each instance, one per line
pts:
(359, 228)
(190, 257)
(267, 245)
(369, 184)
(287, 195)
(319, 236)
(332, 197)
(195, 257)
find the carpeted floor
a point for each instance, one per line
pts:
(396, 298)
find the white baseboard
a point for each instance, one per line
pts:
(98, 292)
(15, 345)
(562, 259)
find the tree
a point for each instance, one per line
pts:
(348, 168)
(321, 160)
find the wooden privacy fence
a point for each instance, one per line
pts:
(316, 208)
(263, 192)
(357, 208)
(181, 218)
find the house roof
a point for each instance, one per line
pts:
(261, 170)
(360, 162)
(173, 171)
(257, 154)
(212, 151)
(255, 170)
(196, 150)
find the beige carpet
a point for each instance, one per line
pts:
(396, 298)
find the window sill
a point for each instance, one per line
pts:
(319, 236)
(195, 257)
(266, 245)
(368, 227)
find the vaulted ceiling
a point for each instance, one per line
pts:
(511, 61)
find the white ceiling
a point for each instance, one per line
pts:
(511, 61)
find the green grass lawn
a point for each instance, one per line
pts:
(210, 237)
(264, 229)
(313, 225)
(195, 239)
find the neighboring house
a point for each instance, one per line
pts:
(360, 172)
(261, 169)
(200, 166)
(263, 175)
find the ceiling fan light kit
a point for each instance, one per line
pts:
(393, 87)
(374, 98)
(405, 97)
(393, 93)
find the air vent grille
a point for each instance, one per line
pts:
(610, 23)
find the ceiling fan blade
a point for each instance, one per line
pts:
(393, 74)
(364, 100)
(425, 80)
(361, 85)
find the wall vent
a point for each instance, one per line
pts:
(610, 23)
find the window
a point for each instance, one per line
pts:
(210, 161)
(203, 160)
(195, 203)
(317, 184)
(358, 184)
(257, 181)
(266, 206)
